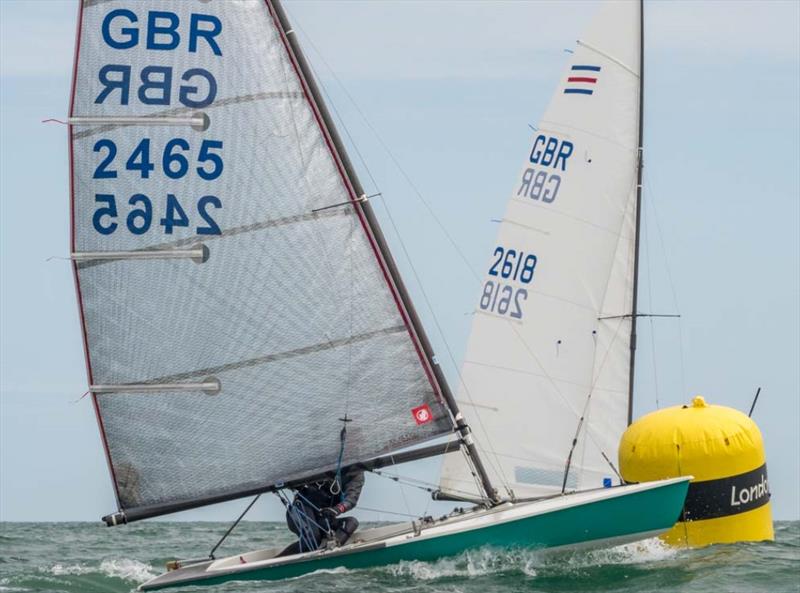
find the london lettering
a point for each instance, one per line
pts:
(745, 496)
(726, 496)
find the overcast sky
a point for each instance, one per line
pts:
(451, 87)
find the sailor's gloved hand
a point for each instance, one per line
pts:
(334, 511)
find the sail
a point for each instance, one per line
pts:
(550, 340)
(235, 303)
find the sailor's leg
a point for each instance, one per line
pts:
(316, 522)
(289, 550)
(346, 526)
(291, 524)
(303, 521)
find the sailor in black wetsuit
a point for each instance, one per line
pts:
(318, 506)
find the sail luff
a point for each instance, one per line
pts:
(74, 263)
(394, 278)
(639, 167)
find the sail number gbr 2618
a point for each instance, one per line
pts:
(503, 294)
(175, 160)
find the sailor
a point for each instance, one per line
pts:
(315, 513)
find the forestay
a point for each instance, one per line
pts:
(235, 303)
(550, 339)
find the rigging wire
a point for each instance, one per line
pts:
(584, 413)
(586, 408)
(405, 498)
(233, 526)
(424, 485)
(498, 465)
(647, 247)
(498, 468)
(652, 201)
(381, 511)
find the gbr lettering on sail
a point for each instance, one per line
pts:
(542, 180)
(512, 268)
(138, 47)
(158, 31)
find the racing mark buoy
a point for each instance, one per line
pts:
(728, 499)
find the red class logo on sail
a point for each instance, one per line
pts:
(422, 414)
(160, 31)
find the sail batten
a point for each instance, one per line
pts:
(280, 355)
(293, 312)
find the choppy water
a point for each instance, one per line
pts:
(89, 558)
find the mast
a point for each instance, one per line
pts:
(461, 426)
(640, 164)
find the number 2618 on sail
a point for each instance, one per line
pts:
(512, 267)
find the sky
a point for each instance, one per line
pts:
(451, 89)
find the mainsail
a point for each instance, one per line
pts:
(235, 297)
(551, 336)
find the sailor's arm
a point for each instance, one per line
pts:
(351, 492)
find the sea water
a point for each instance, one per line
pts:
(89, 558)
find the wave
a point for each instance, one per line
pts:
(481, 562)
(488, 561)
(125, 569)
(641, 552)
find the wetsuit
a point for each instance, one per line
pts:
(321, 503)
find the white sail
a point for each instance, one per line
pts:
(234, 299)
(552, 326)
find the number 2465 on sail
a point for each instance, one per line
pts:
(174, 163)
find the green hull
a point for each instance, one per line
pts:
(611, 520)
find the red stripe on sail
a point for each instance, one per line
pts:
(581, 79)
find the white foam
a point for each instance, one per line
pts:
(486, 561)
(5, 587)
(337, 570)
(129, 570)
(644, 551)
(529, 568)
(132, 570)
(73, 569)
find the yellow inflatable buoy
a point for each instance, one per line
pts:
(728, 499)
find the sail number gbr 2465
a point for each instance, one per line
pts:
(176, 159)
(511, 271)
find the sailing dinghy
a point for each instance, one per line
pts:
(246, 329)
